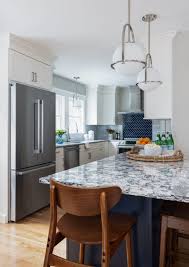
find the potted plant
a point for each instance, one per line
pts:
(110, 133)
(60, 136)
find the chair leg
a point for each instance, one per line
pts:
(164, 228)
(81, 253)
(129, 249)
(105, 262)
(49, 250)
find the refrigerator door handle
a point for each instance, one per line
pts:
(42, 127)
(37, 151)
(36, 169)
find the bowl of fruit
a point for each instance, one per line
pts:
(141, 142)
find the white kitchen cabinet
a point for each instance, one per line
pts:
(101, 105)
(59, 159)
(158, 102)
(27, 70)
(95, 151)
(113, 148)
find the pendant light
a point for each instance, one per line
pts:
(76, 100)
(149, 78)
(129, 57)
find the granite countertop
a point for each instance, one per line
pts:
(168, 181)
(79, 143)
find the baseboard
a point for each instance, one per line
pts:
(3, 218)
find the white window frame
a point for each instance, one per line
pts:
(68, 94)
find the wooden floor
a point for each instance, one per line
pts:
(23, 244)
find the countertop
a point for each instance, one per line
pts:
(168, 181)
(79, 143)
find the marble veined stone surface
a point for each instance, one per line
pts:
(167, 181)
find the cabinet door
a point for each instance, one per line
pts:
(158, 102)
(108, 108)
(97, 154)
(85, 157)
(20, 68)
(29, 71)
(43, 75)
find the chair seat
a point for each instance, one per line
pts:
(89, 230)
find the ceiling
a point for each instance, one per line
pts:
(83, 34)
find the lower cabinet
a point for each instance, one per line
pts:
(92, 152)
(59, 159)
(89, 153)
(113, 148)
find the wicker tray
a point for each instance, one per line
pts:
(178, 156)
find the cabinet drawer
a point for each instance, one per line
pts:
(59, 165)
(59, 153)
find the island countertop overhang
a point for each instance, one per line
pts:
(166, 181)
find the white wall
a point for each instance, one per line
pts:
(181, 91)
(4, 132)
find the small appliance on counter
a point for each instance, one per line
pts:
(91, 135)
(117, 136)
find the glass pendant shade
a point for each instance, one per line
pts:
(134, 59)
(76, 103)
(76, 100)
(152, 80)
(129, 58)
(149, 77)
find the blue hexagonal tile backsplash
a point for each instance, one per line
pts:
(134, 126)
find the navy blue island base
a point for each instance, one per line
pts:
(146, 235)
(144, 187)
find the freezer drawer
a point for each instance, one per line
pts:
(27, 194)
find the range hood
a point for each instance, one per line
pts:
(130, 100)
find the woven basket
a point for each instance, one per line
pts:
(133, 154)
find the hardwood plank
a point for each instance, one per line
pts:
(23, 244)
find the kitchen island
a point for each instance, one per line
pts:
(144, 185)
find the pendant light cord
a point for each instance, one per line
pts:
(148, 56)
(149, 37)
(129, 19)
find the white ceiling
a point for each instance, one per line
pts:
(84, 33)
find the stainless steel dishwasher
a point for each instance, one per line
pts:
(71, 156)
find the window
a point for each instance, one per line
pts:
(76, 117)
(60, 112)
(68, 116)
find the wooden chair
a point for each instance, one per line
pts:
(87, 221)
(174, 224)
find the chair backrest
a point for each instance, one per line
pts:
(84, 201)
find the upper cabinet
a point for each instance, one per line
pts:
(29, 71)
(158, 103)
(101, 105)
(29, 64)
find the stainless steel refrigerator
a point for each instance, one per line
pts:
(32, 148)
